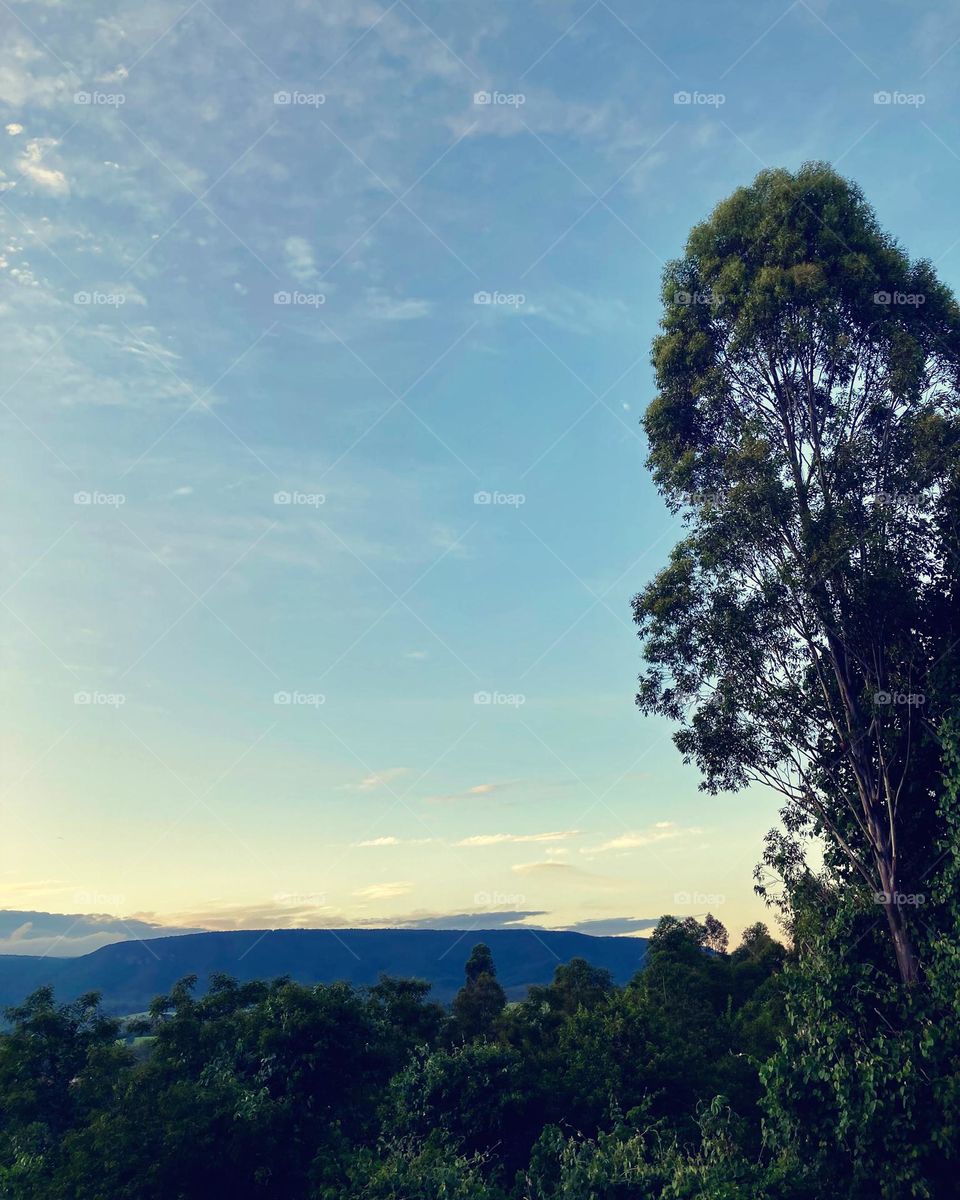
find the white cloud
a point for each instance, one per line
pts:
(379, 778)
(30, 164)
(637, 839)
(299, 260)
(13, 128)
(384, 307)
(480, 789)
(384, 891)
(497, 839)
(394, 841)
(546, 868)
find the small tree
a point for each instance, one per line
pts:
(807, 427)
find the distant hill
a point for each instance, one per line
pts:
(130, 974)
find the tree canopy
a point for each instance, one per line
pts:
(804, 634)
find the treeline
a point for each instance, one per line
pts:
(281, 1090)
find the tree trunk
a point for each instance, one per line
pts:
(907, 963)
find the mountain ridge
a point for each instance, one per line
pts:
(130, 974)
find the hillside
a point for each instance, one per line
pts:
(130, 974)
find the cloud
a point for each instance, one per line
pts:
(480, 789)
(504, 919)
(387, 308)
(299, 260)
(394, 841)
(613, 926)
(378, 779)
(30, 164)
(637, 839)
(64, 935)
(13, 128)
(384, 891)
(555, 869)
(497, 839)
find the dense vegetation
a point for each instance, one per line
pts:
(281, 1090)
(805, 635)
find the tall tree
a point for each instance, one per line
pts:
(481, 999)
(806, 426)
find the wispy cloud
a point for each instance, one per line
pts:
(471, 793)
(497, 839)
(384, 891)
(390, 840)
(31, 165)
(637, 839)
(377, 779)
(299, 260)
(555, 869)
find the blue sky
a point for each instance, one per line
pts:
(172, 173)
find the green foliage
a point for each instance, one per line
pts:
(806, 630)
(267, 1090)
(481, 1000)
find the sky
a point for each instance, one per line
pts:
(324, 343)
